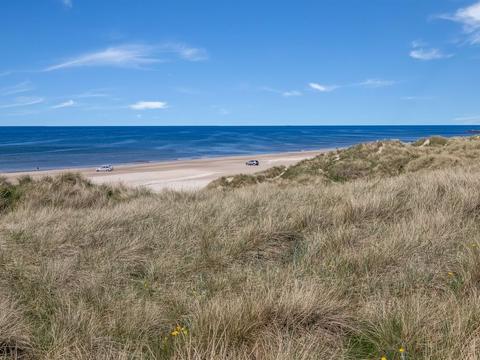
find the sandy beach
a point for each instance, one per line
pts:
(179, 174)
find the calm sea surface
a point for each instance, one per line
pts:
(26, 148)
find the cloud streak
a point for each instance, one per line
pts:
(65, 104)
(23, 101)
(17, 89)
(427, 54)
(133, 56)
(287, 93)
(368, 83)
(291, 93)
(149, 105)
(322, 88)
(123, 56)
(184, 51)
(375, 83)
(468, 119)
(221, 110)
(415, 98)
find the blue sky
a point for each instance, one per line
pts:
(225, 62)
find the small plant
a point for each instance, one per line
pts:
(179, 330)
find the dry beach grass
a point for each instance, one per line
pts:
(308, 266)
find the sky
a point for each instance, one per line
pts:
(242, 62)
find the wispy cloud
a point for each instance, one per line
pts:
(471, 119)
(375, 83)
(23, 101)
(65, 104)
(122, 56)
(413, 98)
(188, 90)
(469, 17)
(284, 93)
(322, 88)
(221, 110)
(98, 93)
(184, 51)
(67, 3)
(368, 83)
(5, 73)
(291, 93)
(133, 56)
(149, 105)
(421, 51)
(22, 87)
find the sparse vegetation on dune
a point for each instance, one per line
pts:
(377, 159)
(343, 263)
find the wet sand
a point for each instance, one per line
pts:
(180, 174)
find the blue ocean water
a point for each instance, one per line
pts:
(26, 148)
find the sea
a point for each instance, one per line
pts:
(43, 148)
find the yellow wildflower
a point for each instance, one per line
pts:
(401, 350)
(383, 358)
(179, 330)
(450, 273)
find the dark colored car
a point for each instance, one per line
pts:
(252, 163)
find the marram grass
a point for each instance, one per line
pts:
(380, 267)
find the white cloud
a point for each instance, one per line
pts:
(184, 51)
(468, 119)
(23, 101)
(421, 51)
(91, 94)
(291, 93)
(65, 104)
(469, 17)
(375, 83)
(369, 83)
(17, 89)
(149, 105)
(122, 56)
(322, 88)
(287, 93)
(133, 56)
(413, 98)
(418, 43)
(428, 54)
(67, 3)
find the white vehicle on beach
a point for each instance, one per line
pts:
(252, 163)
(107, 168)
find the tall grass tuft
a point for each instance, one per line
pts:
(377, 266)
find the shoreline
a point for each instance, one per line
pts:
(184, 174)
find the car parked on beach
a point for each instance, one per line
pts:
(252, 163)
(107, 168)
